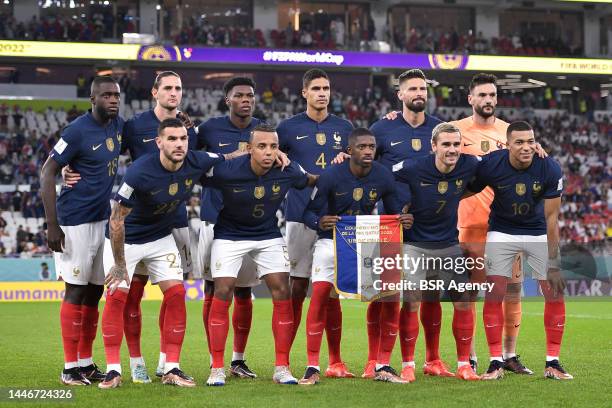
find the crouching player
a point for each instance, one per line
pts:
(524, 218)
(140, 230)
(252, 191)
(351, 188)
(435, 184)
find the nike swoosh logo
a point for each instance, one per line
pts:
(284, 323)
(300, 137)
(392, 334)
(178, 331)
(155, 192)
(466, 145)
(77, 323)
(412, 338)
(396, 143)
(466, 338)
(341, 194)
(488, 326)
(314, 333)
(133, 314)
(224, 144)
(238, 190)
(425, 184)
(216, 324)
(147, 140)
(502, 187)
(436, 324)
(108, 335)
(335, 328)
(517, 325)
(560, 325)
(96, 147)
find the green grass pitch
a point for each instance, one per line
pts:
(32, 358)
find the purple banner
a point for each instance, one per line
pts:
(302, 57)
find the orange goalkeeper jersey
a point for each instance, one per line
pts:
(479, 140)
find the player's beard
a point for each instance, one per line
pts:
(482, 113)
(416, 108)
(106, 115)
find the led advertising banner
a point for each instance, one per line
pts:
(47, 49)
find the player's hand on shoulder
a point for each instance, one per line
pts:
(116, 275)
(555, 280)
(406, 220)
(540, 151)
(70, 176)
(341, 157)
(187, 122)
(55, 238)
(391, 115)
(328, 222)
(282, 160)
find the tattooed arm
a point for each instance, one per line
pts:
(116, 232)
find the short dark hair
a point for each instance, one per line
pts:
(163, 75)
(313, 74)
(169, 123)
(262, 127)
(358, 132)
(237, 81)
(411, 73)
(519, 126)
(481, 79)
(102, 79)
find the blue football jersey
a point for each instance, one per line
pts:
(518, 206)
(433, 197)
(139, 135)
(339, 192)
(250, 201)
(396, 140)
(219, 135)
(313, 146)
(93, 151)
(155, 194)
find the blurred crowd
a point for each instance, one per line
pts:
(91, 28)
(440, 41)
(580, 144)
(327, 33)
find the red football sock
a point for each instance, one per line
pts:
(316, 319)
(160, 321)
(241, 322)
(70, 322)
(554, 319)
(373, 326)
(218, 326)
(493, 314)
(296, 305)
(282, 328)
(409, 332)
(463, 328)
(89, 328)
(175, 322)
(206, 318)
(132, 317)
(431, 318)
(333, 329)
(112, 325)
(389, 325)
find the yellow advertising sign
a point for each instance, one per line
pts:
(537, 64)
(47, 49)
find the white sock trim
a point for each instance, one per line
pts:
(72, 364)
(170, 366)
(318, 368)
(462, 363)
(134, 361)
(500, 359)
(84, 362)
(509, 355)
(551, 358)
(237, 356)
(111, 367)
(407, 363)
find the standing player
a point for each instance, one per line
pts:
(139, 135)
(434, 185)
(252, 192)
(90, 145)
(524, 218)
(223, 135)
(140, 230)
(408, 136)
(312, 139)
(351, 188)
(482, 133)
